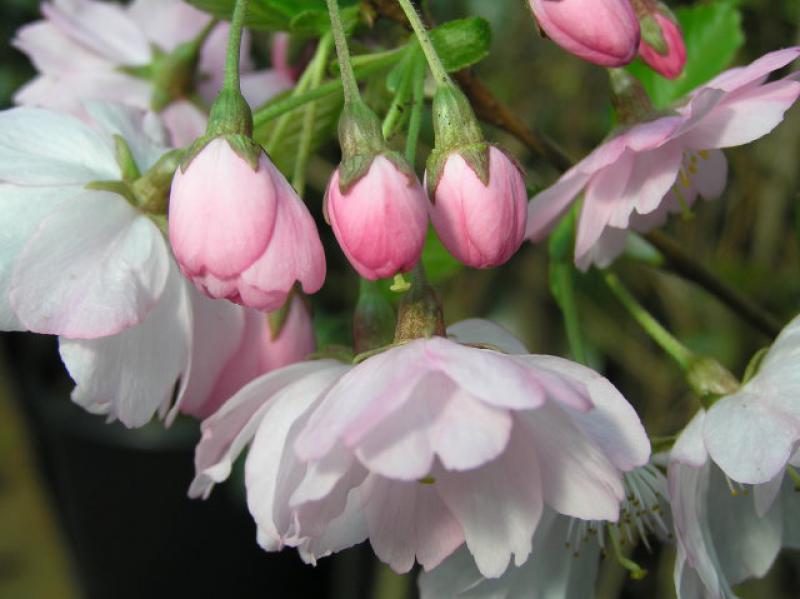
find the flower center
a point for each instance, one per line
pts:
(641, 516)
(683, 183)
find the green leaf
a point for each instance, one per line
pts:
(328, 110)
(463, 42)
(309, 17)
(713, 33)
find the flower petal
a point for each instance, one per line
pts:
(547, 207)
(751, 434)
(498, 506)
(551, 572)
(129, 123)
(477, 331)
(132, 374)
(577, 478)
(744, 118)
(94, 267)
(39, 147)
(232, 427)
(23, 209)
(272, 470)
(408, 519)
(612, 423)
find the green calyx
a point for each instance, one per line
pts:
(148, 192)
(710, 380)
(125, 159)
(361, 140)
(151, 190)
(630, 100)
(232, 120)
(457, 131)
(420, 314)
(174, 75)
(652, 34)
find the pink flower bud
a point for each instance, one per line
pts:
(381, 221)
(242, 234)
(604, 32)
(482, 226)
(671, 63)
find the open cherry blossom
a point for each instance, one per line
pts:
(92, 50)
(84, 262)
(405, 447)
(634, 180)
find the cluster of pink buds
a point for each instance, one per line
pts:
(612, 32)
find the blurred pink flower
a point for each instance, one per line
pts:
(82, 49)
(671, 63)
(634, 180)
(604, 32)
(240, 233)
(481, 225)
(381, 221)
(412, 446)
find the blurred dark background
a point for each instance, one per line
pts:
(93, 510)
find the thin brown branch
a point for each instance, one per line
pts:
(684, 265)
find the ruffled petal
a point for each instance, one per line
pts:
(232, 427)
(612, 423)
(272, 470)
(498, 506)
(94, 267)
(408, 520)
(577, 478)
(131, 375)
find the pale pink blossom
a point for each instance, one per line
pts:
(566, 551)
(669, 64)
(481, 225)
(82, 49)
(240, 233)
(725, 533)
(604, 32)
(410, 447)
(634, 180)
(87, 265)
(754, 434)
(381, 221)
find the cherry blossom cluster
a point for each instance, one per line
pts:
(147, 228)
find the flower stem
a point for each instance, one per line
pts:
(351, 93)
(235, 46)
(417, 108)
(679, 352)
(277, 108)
(561, 273)
(317, 69)
(395, 112)
(434, 62)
